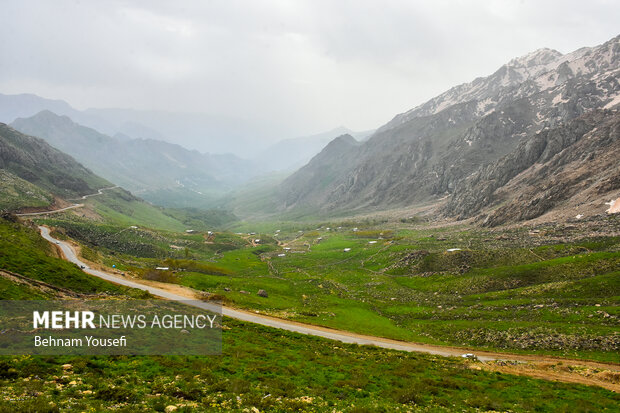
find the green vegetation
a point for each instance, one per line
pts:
(505, 290)
(272, 370)
(23, 251)
(181, 197)
(16, 193)
(120, 207)
(201, 220)
(502, 291)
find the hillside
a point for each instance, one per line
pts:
(158, 171)
(16, 193)
(33, 160)
(574, 165)
(27, 261)
(326, 167)
(426, 153)
(35, 175)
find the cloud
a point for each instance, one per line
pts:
(295, 67)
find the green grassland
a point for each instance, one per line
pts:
(23, 251)
(260, 368)
(551, 291)
(276, 371)
(118, 206)
(16, 193)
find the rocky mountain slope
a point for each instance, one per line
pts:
(575, 165)
(428, 152)
(161, 172)
(33, 160)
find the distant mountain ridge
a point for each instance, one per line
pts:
(32, 159)
(428, 152)
(208, 133)
(164, 173)
(293, 153)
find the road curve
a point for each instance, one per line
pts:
(332, 334)
(99, 192)
(30, 214)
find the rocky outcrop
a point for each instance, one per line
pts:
(579, 163)
(480, 190)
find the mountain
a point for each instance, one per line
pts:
(328, 166)
(574, 165)
(426, 153)
(161, 172)
(32, 159)
(33, 174)
(208, 133)
(293, 153)
(24, 105)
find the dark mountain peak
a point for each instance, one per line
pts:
(335, 149)
(342, 140)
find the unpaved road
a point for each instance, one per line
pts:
(30, 214)
(535, 365)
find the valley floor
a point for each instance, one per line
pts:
(551, 368)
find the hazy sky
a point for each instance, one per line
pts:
(299, 66)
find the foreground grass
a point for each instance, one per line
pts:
(272, 370)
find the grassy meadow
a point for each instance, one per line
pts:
(268, 370)
(547, 290)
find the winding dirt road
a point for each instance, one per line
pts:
(530, 365)
(99, 192)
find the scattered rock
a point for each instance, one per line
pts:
(263, 293)
(170, 408)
